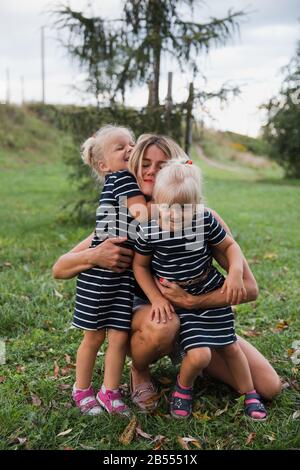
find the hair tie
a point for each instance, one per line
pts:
(189, 162)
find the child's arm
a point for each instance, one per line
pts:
(161, 307)
(138, 208)
(233, 285)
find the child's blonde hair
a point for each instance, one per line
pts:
(92, 150)
(167, 145)
(178, 183)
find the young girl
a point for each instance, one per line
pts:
(176, 245)
(104, 298)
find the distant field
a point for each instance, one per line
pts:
(35, 383)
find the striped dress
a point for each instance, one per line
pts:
(182, 256)
(104, 298)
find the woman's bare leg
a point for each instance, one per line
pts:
(149, 341)
(265, 379)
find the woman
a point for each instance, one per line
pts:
(150, 340)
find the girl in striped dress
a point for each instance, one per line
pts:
(176, 245)
(104, 298)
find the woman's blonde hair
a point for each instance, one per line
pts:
(92, 150)
(167, 145)
(178, 183)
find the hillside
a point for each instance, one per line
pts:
(36, 410)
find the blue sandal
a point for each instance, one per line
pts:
(253, 404)
(181, 402)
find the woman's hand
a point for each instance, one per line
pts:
(234, 288)
(109, 255)
(162, 310)
(174, 293)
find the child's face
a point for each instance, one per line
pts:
(117, 151)
(176, 216)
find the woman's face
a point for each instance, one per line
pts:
(153, 161)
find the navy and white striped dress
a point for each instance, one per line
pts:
(104, 298)
(182, 257)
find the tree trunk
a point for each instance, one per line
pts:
(189, 119)
(156, 74)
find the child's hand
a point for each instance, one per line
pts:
(161, 310)
(234, 288)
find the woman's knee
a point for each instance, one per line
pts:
(270, 388)
(161, 335)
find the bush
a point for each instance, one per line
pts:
(81, 122)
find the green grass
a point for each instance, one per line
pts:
(36, 311)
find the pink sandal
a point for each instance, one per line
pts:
(112, 402)
(85, 400)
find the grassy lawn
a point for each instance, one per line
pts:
(36, 312)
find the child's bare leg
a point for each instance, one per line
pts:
(240, 370)
(115, 358)
(194, 361)
(86, 357)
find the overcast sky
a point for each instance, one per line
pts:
(267, 41)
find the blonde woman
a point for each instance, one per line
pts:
(150, 340)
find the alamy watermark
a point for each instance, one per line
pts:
(175, 221)
(2, 352)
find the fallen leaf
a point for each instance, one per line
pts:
(201, 416)
(250, 438)
(64, 386)
(36, 401)
(185, 441)
(128, 434)
(87, 447)
(141, 433)
(7, 264)
(58, 294)
(68, 359)
(56, 369)
(251, 333)
(18, 440)
(159, 442)
(270, 256)
(220, 412)
(64, 433)
(296, 415)
(2, 379)
(68, 448)
(271, 437)
(282, 325)
(20, 369)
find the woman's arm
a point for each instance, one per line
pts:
(179, 297)
(248, 278)
(107, 255)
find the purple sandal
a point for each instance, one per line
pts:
(254, 408)
(181, 401)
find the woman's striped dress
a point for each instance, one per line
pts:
(181, 257)
(104, 298)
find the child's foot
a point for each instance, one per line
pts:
(254, 408)
(181, 401)
(85, 400)
(111, 401)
